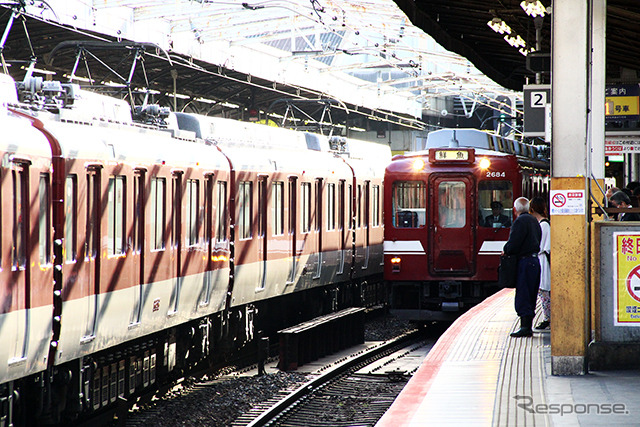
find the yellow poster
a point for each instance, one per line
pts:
(627, 279)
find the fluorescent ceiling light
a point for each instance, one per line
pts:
(533, 8)
(499, 26)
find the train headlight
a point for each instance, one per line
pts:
(485, 163)
(418, 164)
(395, 264)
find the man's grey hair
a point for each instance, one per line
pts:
(521, 205)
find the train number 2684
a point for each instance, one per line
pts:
(495, 174)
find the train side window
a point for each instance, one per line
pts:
(452, 204)
(331, 206)
(495, 200)
(305, 205)
(221, 212)
(318, 204)
(350, 206)
(277, 208)
(262, 206)
(244, 210)
(359, 207)
(116, 213)
(341, 213)
(157, 219)
(44, 220)
(375, 205)
(20, 212)
(409, 204)
(192, 205)
(138, 211)
(93, 213)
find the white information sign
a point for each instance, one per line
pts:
(567, 202)
(618, 145)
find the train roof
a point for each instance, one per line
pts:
(461, 137)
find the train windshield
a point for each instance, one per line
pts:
(409, 201)
(495, 200)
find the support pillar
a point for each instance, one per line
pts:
(577, 91)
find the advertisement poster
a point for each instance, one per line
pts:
(626, 289)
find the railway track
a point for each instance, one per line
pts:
(356, 390)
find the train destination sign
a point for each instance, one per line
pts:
(626, 260)
(450, 155)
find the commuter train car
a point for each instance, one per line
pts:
(132, 252)
(448, 212)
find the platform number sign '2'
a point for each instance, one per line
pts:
(538, 99)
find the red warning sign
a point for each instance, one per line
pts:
(558, 200)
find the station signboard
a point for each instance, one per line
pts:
(536, 101)
(622, 102)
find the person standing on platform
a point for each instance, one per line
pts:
(539, 211)
(524, 242)
(621, 200)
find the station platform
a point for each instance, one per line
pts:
(477, 375)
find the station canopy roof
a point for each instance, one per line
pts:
(312, 60)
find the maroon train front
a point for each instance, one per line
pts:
(448, 212)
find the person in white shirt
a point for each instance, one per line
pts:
(538, 208)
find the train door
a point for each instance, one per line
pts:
(293, 219)
(262, 231)
(20, 255)
(176, 242)
(138, 244)
(452, 239)
(319, 212)
(92, 251)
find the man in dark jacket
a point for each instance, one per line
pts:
(524, 242)
(621, 200)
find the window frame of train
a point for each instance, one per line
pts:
(177, 198)
(277, 208)
(20, 183)
(331, 206)
(116, 213)
(71, 218)
(157, 203)
(138, 210)
(192, 217)
(375, 205)
(94, 184)
(44, 219)
(305, 205)
(221, 211)
(414, 197)
(496, 194)
(245, 209)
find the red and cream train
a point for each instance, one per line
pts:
(442, 239)
(130, 252)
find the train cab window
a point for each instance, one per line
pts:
(221, 212)
(452, 204)
(409, 204)
(70, 218)
(305, 205)
(244, 210)
(157, 221)
(116, 213)
(44, 220)
(495, 200)
(192, 204)
(375, 206)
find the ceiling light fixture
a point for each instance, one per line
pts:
(499, 26)
(533, 8)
